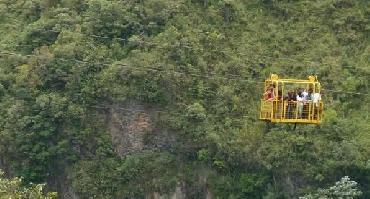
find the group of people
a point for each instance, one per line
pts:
(299, 98)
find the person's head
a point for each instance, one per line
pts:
(299, 93)
(310, 90)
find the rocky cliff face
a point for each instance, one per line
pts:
(4, 166)
(62, 184)
(132, 128)
(127, 130)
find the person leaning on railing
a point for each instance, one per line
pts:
(291, 98)
(269, 94)
(307, 100)
(316, 99)
(268, 97)
(300, 102)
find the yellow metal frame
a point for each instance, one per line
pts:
(279, 110)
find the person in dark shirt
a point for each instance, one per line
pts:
(291, 98)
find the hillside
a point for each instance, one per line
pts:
(160, 98)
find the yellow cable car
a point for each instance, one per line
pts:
(292, 100)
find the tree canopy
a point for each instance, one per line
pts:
(13, 188)
(147, 98)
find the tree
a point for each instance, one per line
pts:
(343, 189)
(13, 188)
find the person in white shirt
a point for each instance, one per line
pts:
(300, 101)
(306, 98)
(316, 98)
(305, 95)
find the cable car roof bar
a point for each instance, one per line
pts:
(294, 80)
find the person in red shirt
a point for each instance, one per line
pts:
(269, 94)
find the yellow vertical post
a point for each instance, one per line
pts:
(276, 89)
(296, 110)
(276, 102)
(309, 111)
(272, 110)
(284, 110)
(273, 80)
(313, 111)
(318, 112)
(261, 110)
(282, 102)
(317, 90)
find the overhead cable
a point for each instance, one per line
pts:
(214, 75)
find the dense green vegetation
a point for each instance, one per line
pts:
(345, 188)
(12, 188)
(196, 67)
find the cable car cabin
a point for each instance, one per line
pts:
(292, 101)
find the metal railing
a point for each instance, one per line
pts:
(291, 111)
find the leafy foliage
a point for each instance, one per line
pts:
(13, 188)
(345, 188)
(196, 68)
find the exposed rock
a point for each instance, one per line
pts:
(63, 186)
(208, 193)
(180, 192)
(4, 166)
(153, 195)
(127, 129)
(68, 193)
(203, 178)
(132, 129)
(290, 182)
